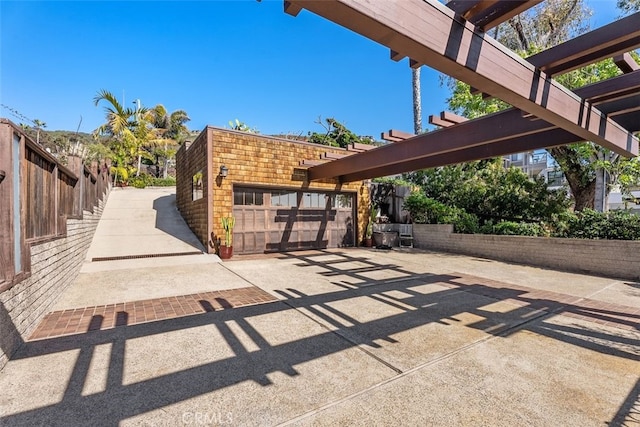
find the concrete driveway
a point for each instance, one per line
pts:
(340, 337)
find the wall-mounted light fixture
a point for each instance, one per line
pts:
(224, 171)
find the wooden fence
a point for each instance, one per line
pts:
(37, 195)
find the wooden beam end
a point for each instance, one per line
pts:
(626, 63)
(291, 8)
(396, 56)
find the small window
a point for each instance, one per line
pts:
(315, 200)
(342, 201)
(248, 197)
(555, 178)
(284, 199)
(197, 187)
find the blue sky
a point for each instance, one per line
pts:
(218, 60)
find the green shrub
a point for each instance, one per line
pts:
(511, 228)
(163, 182)
(465, 222)
(425, 210)
(140, 181)
(120, 173)
(615, 225)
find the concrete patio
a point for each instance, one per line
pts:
(336, 337)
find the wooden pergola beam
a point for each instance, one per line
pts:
(629, 119)
(553, 137)
(437, 121)
(506, 10)
(626, 63)
(509, 125)
(358, 147)
(333, 156)
(622, 106)
(505, 125)
(452, 118)
(469, 8)
(395, 56)
(487, 15)
(310, 163)
(460, 50)
(605, 42)
(617, 87)
(446, 119)
(400, 134)
(387, 137)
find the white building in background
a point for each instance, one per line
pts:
(538, 164)
(541, 164)
(619, 201)
(531, 162)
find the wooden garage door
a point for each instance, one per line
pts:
(279, 220)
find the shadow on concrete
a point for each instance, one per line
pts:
(629, 412)
(10, 338)
(120, 401)
(169, 220)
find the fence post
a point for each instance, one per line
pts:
(107, 164)
(74, 163)
(6, 211)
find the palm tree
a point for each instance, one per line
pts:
(38, 124)
(177, 128)
(417, 101)
(170, 130)
(120, 120)
(120, 125)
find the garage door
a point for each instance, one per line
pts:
(273, 220)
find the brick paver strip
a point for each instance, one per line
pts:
(81, 320)
(604, 313)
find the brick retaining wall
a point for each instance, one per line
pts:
(614, 258)
(55, 264)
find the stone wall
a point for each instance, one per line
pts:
(54, 266)
(252, 160)
(613, 258)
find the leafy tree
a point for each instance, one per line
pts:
(628, 6)
(141, 133)
(169, 130)
(590, 169)
(491, 192)
(39, 125)
(615, 225)
(425, 210)
(337, 135)
(120, 120)
(121, 126)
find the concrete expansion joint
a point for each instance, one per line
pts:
(540, 315)
(336, 332)
(598, 291)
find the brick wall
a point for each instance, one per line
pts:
(54, 266)
(252, 160)
(614, 258)
(190, 159)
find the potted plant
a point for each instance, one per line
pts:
(226, 249)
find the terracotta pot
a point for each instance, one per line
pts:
(226, 252)
(368, 242)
